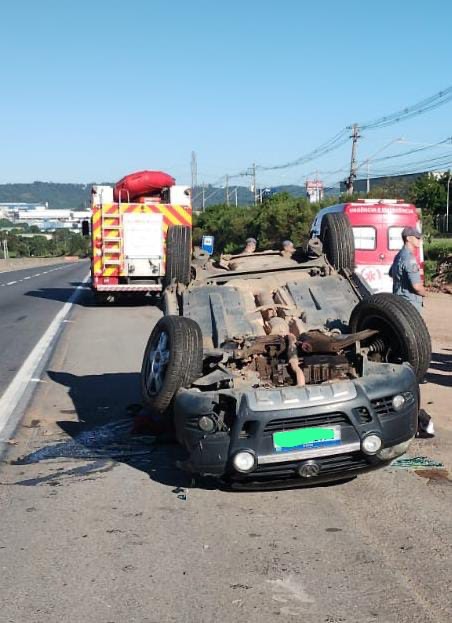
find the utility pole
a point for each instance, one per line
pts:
(203, 196)
(447, 203)
(194, 170)
(254, 183)
(236, 200)
(351, 178)
(226, 189)
(5, 250)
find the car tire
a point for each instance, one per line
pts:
(172, 359)
(336, 235)
(178, 255)
(403, 333)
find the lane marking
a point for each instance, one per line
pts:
(11, 283)
(17, 390)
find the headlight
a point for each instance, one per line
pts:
(398, 402)
(371, 444)
(244, 461)
(387, 454)
(206, 424)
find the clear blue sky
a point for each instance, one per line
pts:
(92, 90)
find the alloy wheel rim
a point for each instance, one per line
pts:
(157, 364)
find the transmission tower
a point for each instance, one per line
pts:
(194, 170)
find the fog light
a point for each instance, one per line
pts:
(371, 444)
(398, 402)
(206, 424)
(244, 461)
(387, 454)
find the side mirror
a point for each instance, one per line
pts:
(85, 228)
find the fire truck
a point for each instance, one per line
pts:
(141, 235)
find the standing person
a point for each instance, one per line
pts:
(250, 246)
(406, 282)
(406, 278)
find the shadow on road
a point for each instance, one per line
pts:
(103, 435)
(88, 298)
(105, 405)
(440, 371)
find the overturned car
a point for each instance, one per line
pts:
(272, 368)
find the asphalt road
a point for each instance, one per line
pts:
(98, 526)
(29, 300)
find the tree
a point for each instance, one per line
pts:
(279, 217)
(39, 246)
(429, 194)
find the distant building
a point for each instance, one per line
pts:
(314, 190)
(43, 217)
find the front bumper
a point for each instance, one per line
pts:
(359, 408)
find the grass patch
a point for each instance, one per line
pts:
(437, 249)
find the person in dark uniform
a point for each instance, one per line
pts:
(406, 282)
(406, 278)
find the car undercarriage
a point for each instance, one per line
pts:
(271, 369)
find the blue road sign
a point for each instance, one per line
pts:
(207, 244)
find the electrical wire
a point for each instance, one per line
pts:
(425, 105)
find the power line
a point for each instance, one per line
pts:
(335, 142)
(341, 138)
(425, 105)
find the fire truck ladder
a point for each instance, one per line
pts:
(112, 239)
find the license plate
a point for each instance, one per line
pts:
(304, 438)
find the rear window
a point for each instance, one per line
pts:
(365, 238)
(395, 241)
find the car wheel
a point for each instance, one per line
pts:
(403, 334)
(172, 359)
(336, 235)
(178, 255)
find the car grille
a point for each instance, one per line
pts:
(331, 465)
(324, 419)
(383, 406)
(363, 415)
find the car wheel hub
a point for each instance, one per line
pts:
(157, 364)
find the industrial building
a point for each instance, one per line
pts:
(42, 216)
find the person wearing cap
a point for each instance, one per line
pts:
(406, 278)
(407, 282)
(288, 248)
(250, 246)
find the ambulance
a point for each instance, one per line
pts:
(141, 235)
(377, 226)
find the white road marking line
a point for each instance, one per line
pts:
(37, 275)
(27, 278)
(17, 389)
(11, 283)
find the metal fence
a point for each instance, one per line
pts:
(443, 223)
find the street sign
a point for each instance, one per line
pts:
(207, 244)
